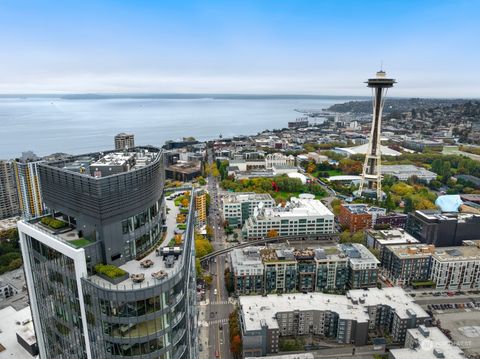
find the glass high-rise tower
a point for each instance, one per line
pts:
(104, 277)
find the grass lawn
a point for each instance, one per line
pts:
(79, 243)
(331, 173)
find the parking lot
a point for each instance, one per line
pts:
(440, 308)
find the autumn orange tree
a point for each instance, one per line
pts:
(272, 233)
(185, 202)
(311, 167)
(235, 334)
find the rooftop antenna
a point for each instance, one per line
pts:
(381, 65)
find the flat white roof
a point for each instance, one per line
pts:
(392, 236)
(303, 206)
(362, 149)
(258, 309)
(11, 324)
(435, 341)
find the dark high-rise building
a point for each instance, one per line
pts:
(9, 205)
(124, 141)
(103, 278)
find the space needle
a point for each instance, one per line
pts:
(371, 181)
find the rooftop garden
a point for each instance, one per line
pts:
(53, 223)
(110, 271)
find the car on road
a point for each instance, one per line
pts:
(217, 354)
(215, 291)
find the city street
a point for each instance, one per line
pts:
(219, 307)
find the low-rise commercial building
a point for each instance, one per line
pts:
(456, 268)
(408, 263)
(184, 171)
(346, 319)
(443, 229)
(303, 216)
(404, 172)
(17, 334)
(426, 343)
(238, 207)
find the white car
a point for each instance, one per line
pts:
(215, 291)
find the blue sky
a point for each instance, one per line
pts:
(326, 47)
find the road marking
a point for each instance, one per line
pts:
(218, 321)
(222, 302)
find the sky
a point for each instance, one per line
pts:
(321, 47)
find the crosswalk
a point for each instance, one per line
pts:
(218, 321)
(220, 302)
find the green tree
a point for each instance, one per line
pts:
(409, 206)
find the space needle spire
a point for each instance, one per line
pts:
(371, 181)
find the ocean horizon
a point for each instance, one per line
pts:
(80, 123)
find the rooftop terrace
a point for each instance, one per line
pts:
(159, 266)
(102, 164)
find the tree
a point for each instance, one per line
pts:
(408, 205)
(311, 167)
(236, 345)
(208, 279)
(235, 236)
(185, 202)
(229, 281)
(198, 267)
(209, 231)
(202, 247)
(272, 233)
(345, 236)
(389, 204)
(350, 167)
(358, 237)
(336, 204)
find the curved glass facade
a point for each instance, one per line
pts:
(118, 221)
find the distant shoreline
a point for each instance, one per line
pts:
(189, 96)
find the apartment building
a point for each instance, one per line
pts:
(28, 188)
(201, 207)
(456, 268)
(124, 141)
(265, 270)
(303, 216)
(103, 281)
(347, 319)
(248, 270)
(239, 206)
(9, 203)
(408, 263)
(362, 266)
(380, 239)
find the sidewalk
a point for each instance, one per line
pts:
(203, 330)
